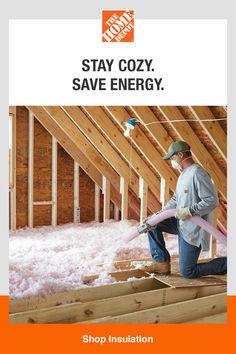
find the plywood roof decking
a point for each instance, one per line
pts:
(206, 149)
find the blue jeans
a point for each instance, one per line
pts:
(188, 254)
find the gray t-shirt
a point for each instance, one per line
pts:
(195, 190)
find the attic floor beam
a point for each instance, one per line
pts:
(143, 191)
(129, 305)
(54, 181)
(213, 128)
(141, 141)
(124, 198)
(76, 193)
(83, 295)
(219, 318)
(31, 171)
(106, 203)
(174, 313)
(97, 203)
(89, 159)
(201, 154)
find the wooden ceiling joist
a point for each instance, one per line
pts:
(200, 153)
(146, 116)
(84, 142)
(94, 167)
(141, 141)
(105, 149)
(213, 128)
(124, 148)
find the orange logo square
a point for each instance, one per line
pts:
(117, 25)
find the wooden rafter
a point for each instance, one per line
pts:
(146, 116)
(213, 128)
(104, 148)
(124, 148)
(141, 141)
(201, 154)
(95, 167)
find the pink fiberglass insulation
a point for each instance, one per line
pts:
(48, 259)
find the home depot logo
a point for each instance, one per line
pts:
(117, 25)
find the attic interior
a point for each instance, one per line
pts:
(72, 166)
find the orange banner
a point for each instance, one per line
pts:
(167, 338)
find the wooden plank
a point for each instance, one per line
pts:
(116, 213)
(109, 307)
(106, 199)
(13, 169)
(165, 192)
(146, 116)
(88, 149)
(46, 202)
(31, 171)
(212, 251)
(54, 181)
(12, 110)
(174, 313)
(42, 174)
(222, 216)
(201, 154)
(213, 128)
(219, 318)
(141, 141)
(105, 149)
(83, 295)
(94, 136)
(73, 140)
(178, 281)
(22, 144)
(93, 166)
(124, 198)
(143, 191)
(97, 203)
(122, 145)
(76, 193)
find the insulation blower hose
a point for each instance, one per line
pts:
(155, 219)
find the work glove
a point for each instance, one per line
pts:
(183, 214)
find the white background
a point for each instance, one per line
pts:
(190, 56)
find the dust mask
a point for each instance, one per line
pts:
(175, 164)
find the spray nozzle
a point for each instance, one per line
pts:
(130, 124)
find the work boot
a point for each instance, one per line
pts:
(161, 268)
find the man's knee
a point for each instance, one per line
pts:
(187, 273)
